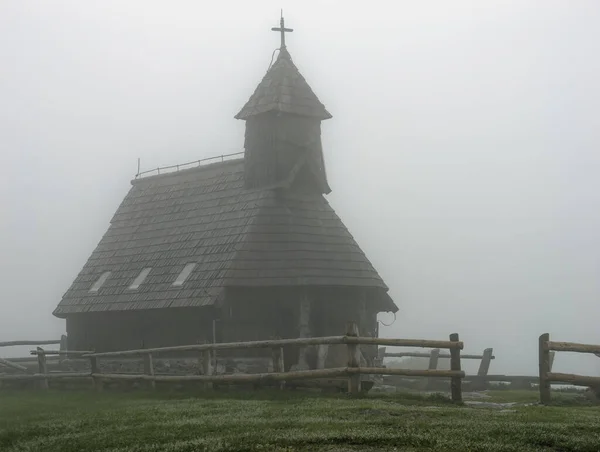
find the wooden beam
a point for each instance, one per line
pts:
(32, 359)
(283, 342)
(577, 380)
(484, 367)
(95, 370)
(486, 360)
(455, 382)
(234, 378)
(433, 359)
(433, 364)
(42, 367)
(322, 352)
(227, 346)
(427, 355)
(282, 376)
(207, 367)
(353, 359)
(278, 363)
(149, 369)
(405, 342)
(63, 347)
(15, 343)
(573, 347)
(303, 329)
(407, 372)
(64, 352)
(12, 365)
(544, 368)
(505, 378)
(49, 376)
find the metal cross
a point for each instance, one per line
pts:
(283, 30)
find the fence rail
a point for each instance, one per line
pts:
(16, 343)
(428, 355)
(14, 363)
(352, 372)
(328, 340)
(434, 357)
(572, 347)
(83, 353)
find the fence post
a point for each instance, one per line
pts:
(322, 352)
(278, 365)
(207, 368)
(42, 367)
(96, 382)
(381, 355)
(544, 354)
(149, 369)
(455, 382)
(63, 348)
(484, 368)
(353, 359)
(434, 357)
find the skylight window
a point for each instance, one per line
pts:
(99, 282)
(137, 282)
(185, 273)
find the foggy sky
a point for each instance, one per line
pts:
(462, 153)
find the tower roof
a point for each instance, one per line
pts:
(284, 89)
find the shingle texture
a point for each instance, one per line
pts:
(284, 89)
(237, 237)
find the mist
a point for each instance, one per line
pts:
(462, 152)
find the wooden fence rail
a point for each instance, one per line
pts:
(434, 357)
(427, 355)
(12, 363)
(547, 377)
(16, 343)
(352, 372)
(65, 352)
(328, 340)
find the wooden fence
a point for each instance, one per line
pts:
(547, 377)
(352, 372)
(17, 363)
(434, 356)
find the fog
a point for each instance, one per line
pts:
(462, 153)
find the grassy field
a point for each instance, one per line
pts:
(268, 421)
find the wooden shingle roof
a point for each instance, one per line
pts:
(236, 236)
(284, 89)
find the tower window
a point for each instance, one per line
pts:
(137, 282)
(99, 282)
(185, 273)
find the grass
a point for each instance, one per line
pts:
(284, 421)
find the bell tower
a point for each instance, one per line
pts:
(283, 129)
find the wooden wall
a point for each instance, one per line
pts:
(265, 313)
(246, 315)
(110, 331)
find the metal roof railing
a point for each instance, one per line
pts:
(187, 165)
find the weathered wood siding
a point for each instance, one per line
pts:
(109, 331)
(264, 313)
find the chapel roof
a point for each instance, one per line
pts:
(237, 237)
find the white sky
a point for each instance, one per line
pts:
(463, 151)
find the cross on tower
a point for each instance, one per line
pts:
(283, 30)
